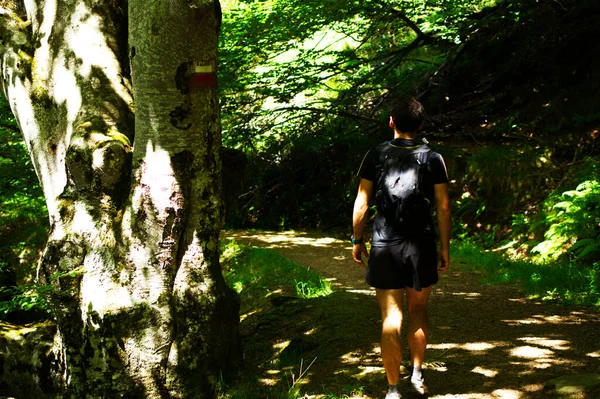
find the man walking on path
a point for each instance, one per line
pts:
(404, 178)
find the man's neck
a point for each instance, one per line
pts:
(404, 135)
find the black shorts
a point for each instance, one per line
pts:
(411, 263)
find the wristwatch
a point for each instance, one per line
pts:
(356, 241)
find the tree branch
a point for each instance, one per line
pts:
(13, 29)
(10, 20)
(16, 42)
(326, 111)
(16, 7)
(410, 23)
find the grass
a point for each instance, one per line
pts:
(294, 330)
(567, 282)
(270, 286)
(257, 273)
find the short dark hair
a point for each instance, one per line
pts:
(408, 114)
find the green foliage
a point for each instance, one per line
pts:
(564, 281)
(290, 68)
(29, 302)
(24, 298)
(24, 218)
(501, 181)
(256, 273)
(573, 220)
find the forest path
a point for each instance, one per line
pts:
(486, 341)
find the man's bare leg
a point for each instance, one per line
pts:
(418, 331)
(390, 305)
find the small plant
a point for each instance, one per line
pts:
(573, 219)
(294, 390)
(308, 289)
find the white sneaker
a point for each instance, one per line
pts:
(418, 385)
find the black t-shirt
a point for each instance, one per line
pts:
(435, 173)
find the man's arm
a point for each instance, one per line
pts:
(443, 215)
(359, 218)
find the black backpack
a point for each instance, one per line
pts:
(399, 196)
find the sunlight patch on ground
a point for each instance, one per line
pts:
(477, 346)
(437, 366)
(520, 300)
(290, 238)
(351, 358)
(271, 382)
(533, 387)
(364, 358)
(531, 366)
(593, 354)
(376, 349)
(243, 316)
(497, 394)
(558, 344)
(470, 346)
(486, 372)
(573, 318)
(530, 352)
(368, 371)
(280, 346)
(363, 292)
(467, 294)
(507, 394)
(273, 371)
(466, 396)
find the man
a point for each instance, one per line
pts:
(403, 254)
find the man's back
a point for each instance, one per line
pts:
(386, 230)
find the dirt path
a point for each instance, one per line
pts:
(486, 342)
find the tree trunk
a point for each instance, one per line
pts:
(134, 201)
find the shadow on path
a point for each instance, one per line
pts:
(486, 342)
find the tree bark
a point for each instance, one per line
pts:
(134, 199)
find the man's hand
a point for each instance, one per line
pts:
(444, 261)
(357, 251)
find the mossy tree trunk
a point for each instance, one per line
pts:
(118, 105)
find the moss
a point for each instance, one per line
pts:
(25, 359)
(164, 299)
(25, 62)
(41, 98)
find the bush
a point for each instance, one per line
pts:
(573, 224)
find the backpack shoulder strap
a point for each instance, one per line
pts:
(422, 158)
(422, 149)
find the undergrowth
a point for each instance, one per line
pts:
(565, 281)
(265, 279)
(257, 273)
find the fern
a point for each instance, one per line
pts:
(573, 224)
